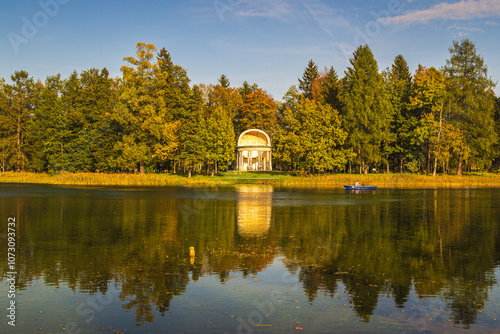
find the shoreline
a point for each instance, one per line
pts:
(268, 178)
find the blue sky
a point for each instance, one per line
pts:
(266, 42)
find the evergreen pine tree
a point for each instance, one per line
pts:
(310, 74)
(247, 89)
(332, 90)
(48, 129)
(471, 103)
(224, 81)
(367, 109)
(402, 122)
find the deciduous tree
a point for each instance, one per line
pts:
(149, 133)
(311, 137)
(20, 101)
(427, 101)
(258, 111)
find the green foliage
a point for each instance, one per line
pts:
(152, 119)
(47, 130)
(247, 89)
(146, 94)
(471, 103)
(311, 137)
(192, 145)
(310, 74)
(367, 109)
(219, 138)
(227, 98)
(19, 103)
(224, 81)
(332, 90)
(258, 111)
(398, 79)
(4, 128)
(426, 103)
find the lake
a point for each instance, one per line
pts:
(263, 260)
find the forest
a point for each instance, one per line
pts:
(152, 120)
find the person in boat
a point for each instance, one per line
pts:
(357, 184)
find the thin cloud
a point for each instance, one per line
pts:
(463, 10)
(326, 17)
(278, 9)
(462, 28)
(305, 50)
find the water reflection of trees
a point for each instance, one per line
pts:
(439, 244)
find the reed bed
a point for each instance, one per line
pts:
(399, 180)
(103, 179)
(274, 178)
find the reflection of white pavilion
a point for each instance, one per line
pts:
(253, 152)
(253, 210)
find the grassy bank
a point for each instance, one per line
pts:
(275, 178)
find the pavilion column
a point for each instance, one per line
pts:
(270, 161)
(242, 165)
(260, 160)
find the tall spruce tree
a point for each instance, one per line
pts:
(224, 81)
(48, 134)
(311, 73)
(367, 109)
(89, 100)
(402, 123)
(247, 89)
(192, 149)
(471, 104)
(332, 90)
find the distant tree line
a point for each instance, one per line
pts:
(152, 120)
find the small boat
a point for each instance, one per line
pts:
(359, 188)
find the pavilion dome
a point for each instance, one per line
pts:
(254, 137)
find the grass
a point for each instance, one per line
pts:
(274, 178)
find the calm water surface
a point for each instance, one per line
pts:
(266, 260)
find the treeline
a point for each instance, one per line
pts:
(152, 120)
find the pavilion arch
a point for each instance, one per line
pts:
(253, 152)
